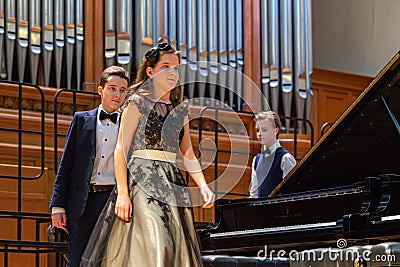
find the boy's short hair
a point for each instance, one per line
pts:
(113, 71)
(269, 115)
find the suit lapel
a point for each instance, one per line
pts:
(90, 124)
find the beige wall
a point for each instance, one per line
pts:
(355, 36)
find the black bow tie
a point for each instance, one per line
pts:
(265, 151)
(113, 116)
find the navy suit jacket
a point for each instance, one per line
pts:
(71, 186)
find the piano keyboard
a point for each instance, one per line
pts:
(272, 229)
(390, 218)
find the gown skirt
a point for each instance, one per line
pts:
(160, 233)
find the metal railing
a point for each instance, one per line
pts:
(74, 93)
(36, 246)
(18, 245)
(325, 127)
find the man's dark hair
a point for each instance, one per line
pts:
(113, 71)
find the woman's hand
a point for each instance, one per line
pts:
(208, 196)
(123, 207)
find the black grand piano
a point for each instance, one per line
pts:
(347, 187)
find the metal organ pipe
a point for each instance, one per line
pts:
(309, 59)
(166, 8)
(223, 48)
(170, 22)
(124, 37)
(182, 39)
(299, 64)
(79, 41)
(147, 8)
(239, 53)
(59, 40)
(286, 51)
(140, 29)
(70, 38)
(2, 32)
(35, 39)
(202, 76)
(230, 20)
(192, 67)
(181, 34)
(273, 29)
(157, 21)
(48, 38)
(11, 36)
(213, 70)
(110, 49)
(22, 37)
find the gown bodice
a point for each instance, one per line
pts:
(160, 126)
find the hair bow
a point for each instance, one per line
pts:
(154, 52)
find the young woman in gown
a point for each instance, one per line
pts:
(148, 220)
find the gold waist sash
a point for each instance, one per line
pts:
(155, 155)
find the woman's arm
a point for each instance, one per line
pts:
(193, 167)
(129, 122)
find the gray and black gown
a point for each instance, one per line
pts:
(161, 231)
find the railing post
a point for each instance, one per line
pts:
(5, 255)
(37, 257)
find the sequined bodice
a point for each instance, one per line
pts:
(160, 126)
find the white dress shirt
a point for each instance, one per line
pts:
(106, 140)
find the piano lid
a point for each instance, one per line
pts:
(364, 141)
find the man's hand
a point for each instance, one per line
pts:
(59, 220)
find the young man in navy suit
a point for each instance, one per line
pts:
(86, 176)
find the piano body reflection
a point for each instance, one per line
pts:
(346, 187)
